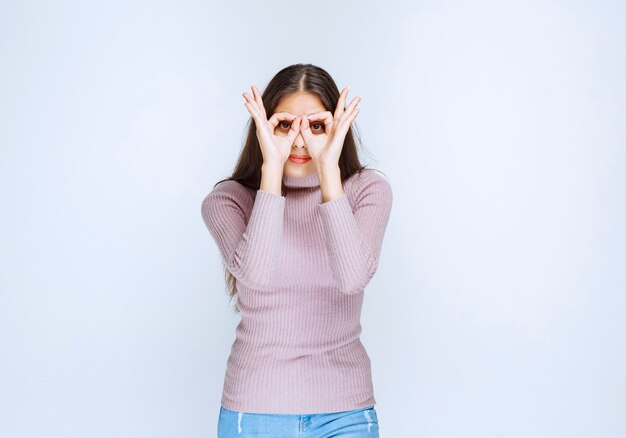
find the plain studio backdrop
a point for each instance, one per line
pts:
(498, 308)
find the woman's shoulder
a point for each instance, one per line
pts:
(366, 181)
(233, 187)
(229, 191)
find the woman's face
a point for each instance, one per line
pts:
(299, 103)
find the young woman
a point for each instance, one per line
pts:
(299, 226)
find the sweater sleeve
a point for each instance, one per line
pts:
(354, 237)
(249, 251)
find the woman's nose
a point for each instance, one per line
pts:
(299, 141)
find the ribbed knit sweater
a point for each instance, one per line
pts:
(301, 267)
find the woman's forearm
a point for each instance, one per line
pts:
(271, 178)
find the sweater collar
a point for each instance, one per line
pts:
(308, 181)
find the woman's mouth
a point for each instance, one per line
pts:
(299, 159)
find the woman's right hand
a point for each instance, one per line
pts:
(275, 148)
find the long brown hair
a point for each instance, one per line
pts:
(291, 79)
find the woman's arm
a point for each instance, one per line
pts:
(250, 252)
(354, 238)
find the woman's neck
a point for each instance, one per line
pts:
(311, 180)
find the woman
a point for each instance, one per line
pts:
(299, 226)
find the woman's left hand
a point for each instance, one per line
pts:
(325, 148)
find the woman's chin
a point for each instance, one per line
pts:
(298, 170)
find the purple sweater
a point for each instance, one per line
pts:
(301, 268)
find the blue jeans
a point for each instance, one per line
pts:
(360, 423)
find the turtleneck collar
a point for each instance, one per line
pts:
(308, 181)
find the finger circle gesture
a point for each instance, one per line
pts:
(326, 148)
(274, 148)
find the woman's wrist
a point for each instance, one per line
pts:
(271, 178)
(330, 182)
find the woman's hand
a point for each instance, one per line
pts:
(275, 148)
(325, 148)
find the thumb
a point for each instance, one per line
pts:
(305, 128)
(295, 129)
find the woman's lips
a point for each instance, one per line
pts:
(298, 160)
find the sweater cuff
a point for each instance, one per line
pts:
(339, 206)
(267, 215)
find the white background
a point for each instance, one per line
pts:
(498, 309)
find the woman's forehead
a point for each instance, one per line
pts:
(300, 103)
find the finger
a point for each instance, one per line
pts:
(278, 117)
(349, 111)
(325, 116)
(258, 99)
(305, 128)
(249, 98)
(353, 116)
(254, 112)
(295, 129)
(341, 103)
(353, 103)
(252, 106)
(342, 129)
(319, 116)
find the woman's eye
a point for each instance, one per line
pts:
(315, 126)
